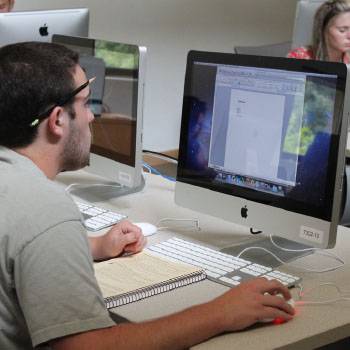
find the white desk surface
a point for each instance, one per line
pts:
(313, 326)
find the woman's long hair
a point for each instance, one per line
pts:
(323, 15)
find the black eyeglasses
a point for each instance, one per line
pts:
(60, 103)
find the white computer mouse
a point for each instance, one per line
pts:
(291, 302)
(146, 228)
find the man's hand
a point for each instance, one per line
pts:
(253, 301)
(123, 237)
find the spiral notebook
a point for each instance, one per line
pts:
(131, 278)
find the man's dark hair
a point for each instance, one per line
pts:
(33, 76)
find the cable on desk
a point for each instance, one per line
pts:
(160, 156)
(316, 250)
(343, 295)
(153, 170)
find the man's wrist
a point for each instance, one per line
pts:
(96, 248)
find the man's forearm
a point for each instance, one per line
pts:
(178, 331)
(234, 310)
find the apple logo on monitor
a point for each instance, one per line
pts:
(244, 212)
(43, 30)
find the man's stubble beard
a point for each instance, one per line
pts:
(75, 155)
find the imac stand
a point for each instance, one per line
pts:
(262, 257)
(105, 190)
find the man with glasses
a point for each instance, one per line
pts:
(49, 295)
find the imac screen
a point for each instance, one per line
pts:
(263, 129)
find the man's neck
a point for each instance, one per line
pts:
(45, 161)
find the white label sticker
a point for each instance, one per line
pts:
(311, 234)
(125, 178)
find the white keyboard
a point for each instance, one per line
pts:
(219, 267)
(96, 218)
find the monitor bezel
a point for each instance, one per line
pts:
(330, 212)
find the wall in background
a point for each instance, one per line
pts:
(169, 28)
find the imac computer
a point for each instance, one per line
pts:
(117, 102)
(263, 143)
(41, 25)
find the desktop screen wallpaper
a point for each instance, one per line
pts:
(226, 131)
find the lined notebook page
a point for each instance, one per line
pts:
(127, 274)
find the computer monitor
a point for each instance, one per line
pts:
(117, 102)
(263, 143)
(41, 25)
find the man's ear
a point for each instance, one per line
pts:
(56, 121)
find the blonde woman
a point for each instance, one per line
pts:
(331, 34)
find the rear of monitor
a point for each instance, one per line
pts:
(226, 86)
(41, 25)
(303, 23)
(117, 102)
(275, 50)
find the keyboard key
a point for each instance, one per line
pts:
(212, 274)
(229, 281)
(98, 218)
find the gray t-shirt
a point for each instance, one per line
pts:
(47, 284)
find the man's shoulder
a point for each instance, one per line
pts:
(34, 204)
(25, 187)
(43, 204)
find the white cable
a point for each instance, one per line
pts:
(316, 250)
(329, 284)
(195, 221)
(324, 302)
(147, 167)
(288, 249)
(260, 248)
(342, 263)
(342, 295)
(69, 187)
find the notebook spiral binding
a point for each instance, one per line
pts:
(155, 289)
